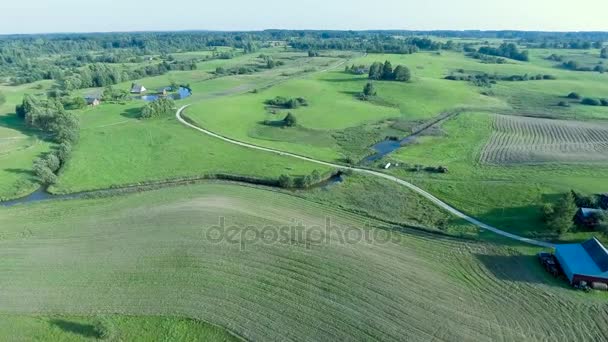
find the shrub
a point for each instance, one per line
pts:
(290, 120)
(604, 102)
(590, 102)
(285, 181)
(402, 74)
(369, 89)
(289, 103)
(574, 96)
(563, 104)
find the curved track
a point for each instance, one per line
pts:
(411, 186)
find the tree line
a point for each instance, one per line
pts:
(50, 117)
(101, 75)
(507, 50)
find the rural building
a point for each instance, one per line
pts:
(587, 261)
(588, 216)
(92, 101)
(138, 89)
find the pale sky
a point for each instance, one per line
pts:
(36, 16)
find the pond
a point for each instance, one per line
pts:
(387, 146)
(182, 93)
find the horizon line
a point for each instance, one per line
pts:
(300, 30)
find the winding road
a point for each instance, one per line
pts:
(411, 186)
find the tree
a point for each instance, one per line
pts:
(604, 53)
(2, 98)
(375, 71)
(369, 90)
(64, 150)
(402, 73)
(285, 181)
(561, 219)
(44, 174)
(387, 71)
(290, 120)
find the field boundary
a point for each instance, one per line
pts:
(190, 123)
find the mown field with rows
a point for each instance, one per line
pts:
(150, 254)
(516, 140)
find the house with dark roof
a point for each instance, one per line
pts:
(138, 89)
(588, 217)
(587, 261)
(92, 101)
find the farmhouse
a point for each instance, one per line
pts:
(137, 89)
(92, 101)
(587, 261)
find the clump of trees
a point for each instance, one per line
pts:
(158, 108)
(486, 80)
(507, 50)
(356, 69)
(590, 101)
(312, 53)
(575, 66)
(385, 72)
(303, 182)
(270, 62)
(115, 94)
(238, 70)
(559, 217)
(289, 103)
(486, 58)
(604, 53)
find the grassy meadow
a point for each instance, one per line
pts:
(118, 256)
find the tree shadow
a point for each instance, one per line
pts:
(20, 171)
(131, 113)
(351, 93)
(12, 121)
(273, 123)
(343, 80)
(84, 330)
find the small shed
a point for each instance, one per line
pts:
(587, 261)
(138, 89)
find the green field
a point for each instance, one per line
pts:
(508, 196)
(148, 254)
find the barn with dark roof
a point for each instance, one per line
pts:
(587, 261)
